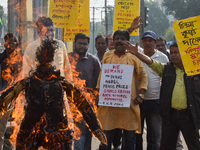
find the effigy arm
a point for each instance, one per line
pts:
(86, 110)
(11, 94)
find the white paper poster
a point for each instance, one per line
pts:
(115, 85)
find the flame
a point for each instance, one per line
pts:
(81, 85)
(18, 112)
(13, 72)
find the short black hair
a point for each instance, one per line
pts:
(10, 36)
(44, 21)
(99, 36)
(82, 36)
(121, 32)
(173, 45)
(161, 38)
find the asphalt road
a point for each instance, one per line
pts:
(95, 143)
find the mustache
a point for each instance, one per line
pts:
(120, 43)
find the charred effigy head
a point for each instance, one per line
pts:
(45, 52)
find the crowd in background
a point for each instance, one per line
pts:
(163, 98)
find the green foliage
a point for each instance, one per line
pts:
(169, 34)
(158, 21)
(182, 9)
(3, 18)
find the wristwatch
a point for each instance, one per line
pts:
(141, 95)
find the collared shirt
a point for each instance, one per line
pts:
(179, 98)
(124, 118)
(61, 61)
(88, 68)
(154, 80)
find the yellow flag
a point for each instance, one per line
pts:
(125, 12)
(83, 22)
(187, 33)
(64, 13)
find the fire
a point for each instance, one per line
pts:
(81, 85)
(18, 111)
(14, 65)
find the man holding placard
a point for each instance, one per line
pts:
(119, 99)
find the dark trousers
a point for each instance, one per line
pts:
(150, 112)
(128, 140)
(171, 127)
(117, 137)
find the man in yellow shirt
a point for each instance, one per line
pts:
(123, 118)
(179, 99)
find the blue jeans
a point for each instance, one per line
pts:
(150, 111)
(127, 136)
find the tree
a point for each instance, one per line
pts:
(158, 21)
(182, 9)
(3, 19)
(169, 34)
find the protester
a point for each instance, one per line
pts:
(123, 118)
(88, 67)
(179, 99)
(161, 45)
(10, 64)
(149, 109)
(109, 41)
(45, 30)
(117, 133)
(101, 46)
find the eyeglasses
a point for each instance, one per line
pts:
(81, 43)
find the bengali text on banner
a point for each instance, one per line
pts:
(187, 33)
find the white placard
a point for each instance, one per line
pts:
(115, 85)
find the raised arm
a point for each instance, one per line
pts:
(134, 50)
(136, 23)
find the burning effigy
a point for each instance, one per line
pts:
(44, 123)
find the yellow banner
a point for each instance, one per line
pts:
(187, 33)
(83, 22)
(64, 13)
(125, 12)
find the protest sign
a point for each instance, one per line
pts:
(64, 13)
(125, 12)
(187, 33)
(115, 85)
(83, 22)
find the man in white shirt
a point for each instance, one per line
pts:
(150, 109)
(45, 30)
